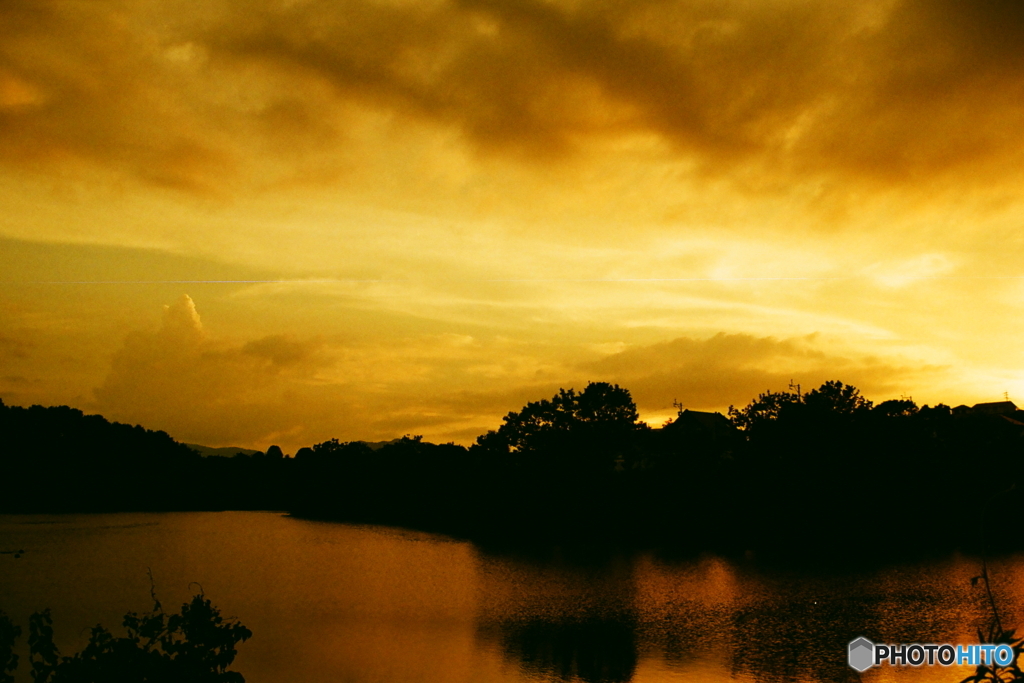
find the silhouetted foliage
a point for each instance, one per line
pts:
(896, 408)
(600, 408)
(781, 475)
(9, 633)
(571, 437)
(196, 645)
(767, 407)
(996, 634)
(85, 463)
(836, 398)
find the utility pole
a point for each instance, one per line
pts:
(797, 387)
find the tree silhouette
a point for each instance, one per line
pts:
(767, 407)
(590, 430)
(896, 408)
(836, 397)
(831, 398)
(542, 422)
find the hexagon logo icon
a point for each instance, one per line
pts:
(861, 654)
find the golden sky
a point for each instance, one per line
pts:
(289, 220)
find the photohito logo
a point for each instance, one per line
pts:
(862, 654)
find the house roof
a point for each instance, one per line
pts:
(709, 421)
(995, 407)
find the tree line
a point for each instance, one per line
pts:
(825, 471)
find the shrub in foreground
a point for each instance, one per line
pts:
(196, 645)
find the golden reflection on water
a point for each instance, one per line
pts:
(332, 602)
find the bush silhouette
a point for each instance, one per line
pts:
(195, 645)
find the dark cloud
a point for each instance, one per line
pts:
(936, 89)
(541, 78)
(91, 82)
(176, 95)
(886, 91)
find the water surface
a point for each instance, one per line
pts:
(336, 602)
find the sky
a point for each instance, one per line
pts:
(286, 221)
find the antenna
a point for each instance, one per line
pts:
(1006, 396)
(678, 405)
(795, 386)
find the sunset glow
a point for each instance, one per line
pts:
(248, 223)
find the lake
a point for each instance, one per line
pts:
(361, 604)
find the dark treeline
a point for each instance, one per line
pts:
(60, 460)
(824, 471)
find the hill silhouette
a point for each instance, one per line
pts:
(221, 452)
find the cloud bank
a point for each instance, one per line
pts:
(295, 391)
(202, 390)
(192, 95)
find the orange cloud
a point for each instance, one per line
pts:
(732, 369)
(896, 91)
(201, 390)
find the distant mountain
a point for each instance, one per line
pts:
(377, 445)
(231, 451)
(225, 452)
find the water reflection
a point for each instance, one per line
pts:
(330, 602)
(645, 619)
(592, 651)
(798, 640)
(771, 626)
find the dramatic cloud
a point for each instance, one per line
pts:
(412, 217)
(203, 391)
(91, 83)
(295, 392)
(183, 95)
